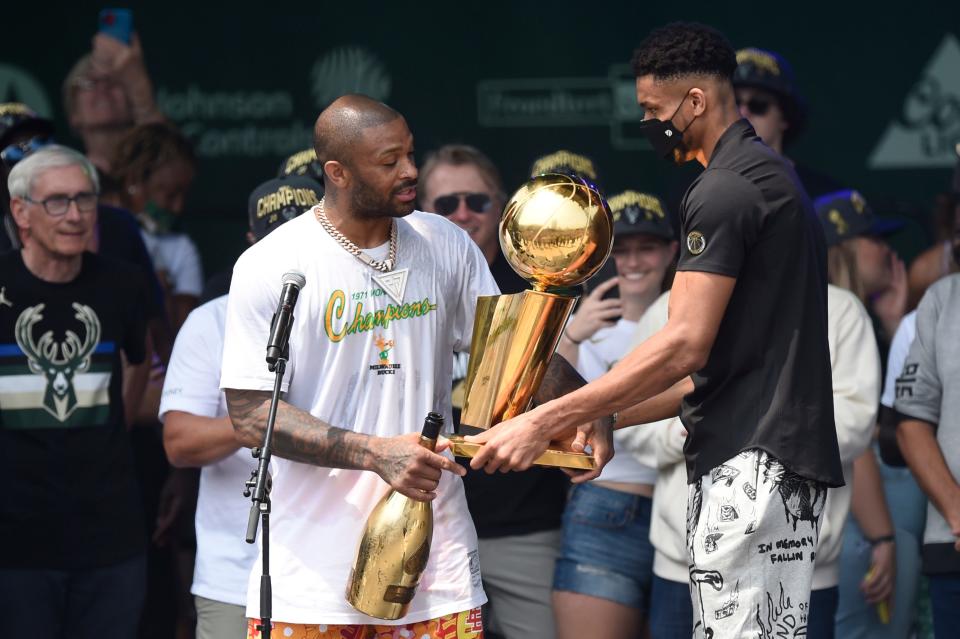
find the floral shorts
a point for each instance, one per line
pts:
(459, 625)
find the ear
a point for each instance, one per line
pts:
(251, 240)
(337, 173)
(698, 98)
(18, 208)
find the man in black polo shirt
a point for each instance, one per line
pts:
(743, 358)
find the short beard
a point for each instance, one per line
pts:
(367, 203)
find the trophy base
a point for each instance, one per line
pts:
(553, 458)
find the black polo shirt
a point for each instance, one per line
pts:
(767, 382)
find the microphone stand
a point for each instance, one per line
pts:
(260, 482)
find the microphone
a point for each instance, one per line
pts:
(293, 281)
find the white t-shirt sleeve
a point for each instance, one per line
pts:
(899, 348)
(476, 281)
(186, 269)
(254, 294)
(191, 384)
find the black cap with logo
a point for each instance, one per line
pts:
(846, 214)
(565, 162)
(302, 163)
(279, 200)
(18, 119)
(762, 69)
(637, 213)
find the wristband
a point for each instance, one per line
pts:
(884, 539)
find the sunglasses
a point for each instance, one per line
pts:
(476, 202)
(756, 106)
(16, 152)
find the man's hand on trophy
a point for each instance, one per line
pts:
(411, 469)
(511, 445)
(516, 443)
(599, 436)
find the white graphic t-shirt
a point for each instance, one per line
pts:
(361, 361)
(177, 256)
(192, 385)
(596, 356)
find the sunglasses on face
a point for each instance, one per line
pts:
(756, 105)
(16, 152)
(476, 202)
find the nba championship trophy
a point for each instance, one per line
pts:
(556, 231)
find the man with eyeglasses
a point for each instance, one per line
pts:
(72, 347)
(107, 92)
(517, 516)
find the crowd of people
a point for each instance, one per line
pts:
(132, 385)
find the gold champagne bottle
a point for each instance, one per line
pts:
(394, 548)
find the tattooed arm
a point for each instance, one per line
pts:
(297, 435)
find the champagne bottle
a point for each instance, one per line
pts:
(394, 548)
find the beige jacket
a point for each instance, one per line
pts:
(856, 393)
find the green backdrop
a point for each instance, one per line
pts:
(246, 81)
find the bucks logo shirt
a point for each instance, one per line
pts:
(62, 432)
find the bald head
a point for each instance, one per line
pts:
(341, 124)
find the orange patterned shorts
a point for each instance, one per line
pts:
(459, 625)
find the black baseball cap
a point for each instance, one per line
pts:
(566, 162)
(636, 213)
(302, 163)
(16, 118)
(846, 214)
(281, 199)
(768, 70)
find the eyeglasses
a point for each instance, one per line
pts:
(476, 202)
(755, 105)
(58, 205)
(16, 152)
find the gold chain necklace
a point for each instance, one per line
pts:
(384, 266)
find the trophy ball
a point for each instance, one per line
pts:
(556, 230)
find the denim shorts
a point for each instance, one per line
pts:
(605, 550)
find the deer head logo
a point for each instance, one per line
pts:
(58, 361)
(383, 347)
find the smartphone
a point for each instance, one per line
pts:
(608, 270)
(117, 23)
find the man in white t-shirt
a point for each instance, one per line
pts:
(390, 293)
(198, 432)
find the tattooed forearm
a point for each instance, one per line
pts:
(297, 435)
(560, 379)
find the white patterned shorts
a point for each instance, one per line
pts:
(752, 533)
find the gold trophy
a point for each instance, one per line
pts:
(556, 231)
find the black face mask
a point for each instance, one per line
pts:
(665, 138)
